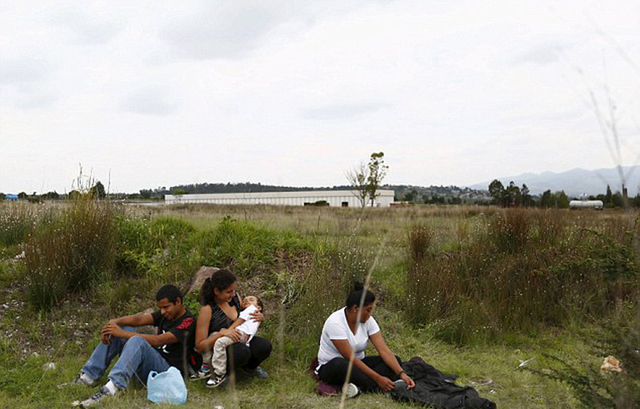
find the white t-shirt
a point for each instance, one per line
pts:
(336, 327)
(249, 326)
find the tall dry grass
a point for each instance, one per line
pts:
(525, 268)
(71, 252)
(17, 221)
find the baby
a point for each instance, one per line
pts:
(247, 328)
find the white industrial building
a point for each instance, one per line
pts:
(335, 198)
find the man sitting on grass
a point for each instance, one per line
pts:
(141, 353)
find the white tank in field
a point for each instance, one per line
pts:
(586, 204)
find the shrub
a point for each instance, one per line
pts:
(419, 279)
(70, 253)
(245, 248)
(526, 268)
(146, 246)
(321, 288)
(509, 231)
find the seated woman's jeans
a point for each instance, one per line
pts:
(334, 372)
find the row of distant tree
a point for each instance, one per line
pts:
(160, 192)
(514, 196)
(98, 191)
(500, 195)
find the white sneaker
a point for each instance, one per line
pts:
(352, 390)
(80, 379)
(216, 380)
(104, 392)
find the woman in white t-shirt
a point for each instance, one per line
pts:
(343, 335)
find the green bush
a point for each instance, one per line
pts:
(245, 248)
(72, 252)
(146, 246)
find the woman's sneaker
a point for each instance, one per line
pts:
(352, 390)
(216, 380)
(258, 372)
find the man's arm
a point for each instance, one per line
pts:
(136, 320)
(153, 340)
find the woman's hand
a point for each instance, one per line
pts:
(410, 383)
(385, 383)
(256, 316)
(234, 334)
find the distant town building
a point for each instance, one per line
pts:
(333, 198)
(11, 198)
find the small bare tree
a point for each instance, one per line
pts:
(358, 178)
(377, 172)
(365, 179)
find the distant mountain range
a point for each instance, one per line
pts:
(574, 182)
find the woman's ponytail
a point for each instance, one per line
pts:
(206, 292)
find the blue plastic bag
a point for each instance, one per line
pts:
(166, 387)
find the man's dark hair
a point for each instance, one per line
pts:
(169, 292)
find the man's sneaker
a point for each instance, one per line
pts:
(201, 374)
(258, 372)
(352, 390)
(80, 379)
(216, 380)
(103, 393)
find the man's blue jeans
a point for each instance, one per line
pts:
(136, 357)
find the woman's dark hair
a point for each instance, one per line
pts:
(169, 292)
(221, 280)
(355, 296)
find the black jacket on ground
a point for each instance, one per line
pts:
(437, 390)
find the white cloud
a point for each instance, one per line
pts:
(159, 93)
(148, 102)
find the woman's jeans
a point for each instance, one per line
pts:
(334, 372)
(137, 358)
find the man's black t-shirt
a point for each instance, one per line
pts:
(184, 328)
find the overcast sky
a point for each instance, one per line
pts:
(160, 93)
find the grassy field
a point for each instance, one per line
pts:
(302, 260)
